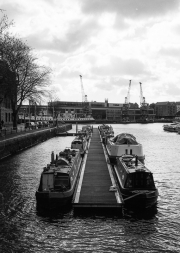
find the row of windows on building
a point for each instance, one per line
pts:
(7, 118)
(162, 109)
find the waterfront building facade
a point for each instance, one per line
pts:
(166, 109)
(114, 112)
(6, 116)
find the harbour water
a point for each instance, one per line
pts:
(25, 229)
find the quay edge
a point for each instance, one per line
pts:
(10, 145)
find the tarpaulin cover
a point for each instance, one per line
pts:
(124, 138)
(104, 126)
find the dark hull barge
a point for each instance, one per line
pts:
(136, 182)
(106, 131)
(58, 179)
(81, 140)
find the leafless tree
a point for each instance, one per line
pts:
(28, 80)
(53, 106)
(4, 22)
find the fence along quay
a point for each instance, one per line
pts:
(96, 191)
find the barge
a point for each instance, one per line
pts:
(124, 144)
(58, 179)
(136, 182)
(81, 140)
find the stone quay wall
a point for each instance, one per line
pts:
(13, 145)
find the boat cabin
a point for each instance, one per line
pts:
(87, 128)
(79, 143)
(124, 144)
(134, 174)
(59, 175)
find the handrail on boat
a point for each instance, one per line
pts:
(136, 195)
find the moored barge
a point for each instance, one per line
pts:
(124, 144)
(106, 131)
(173, 127)
(58, 179)
(81, 140)
(136, 182)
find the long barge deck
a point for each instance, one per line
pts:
(97, 190)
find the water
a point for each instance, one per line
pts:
(24, 229)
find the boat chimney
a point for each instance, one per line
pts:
(136, 161)
(52, 157)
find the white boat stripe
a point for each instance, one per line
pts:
(76, 200)
(117, 195)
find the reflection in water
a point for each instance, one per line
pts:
(140, 214)
(25, 228)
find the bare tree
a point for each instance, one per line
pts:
(4, 22)
(28, 80)
(53, 106)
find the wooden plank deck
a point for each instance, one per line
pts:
(93, 191)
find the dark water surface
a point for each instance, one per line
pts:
(24, 229)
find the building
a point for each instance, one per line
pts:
(177, 107)
(113, 112)
(165, 109)
(6, 113)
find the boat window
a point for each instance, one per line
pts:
(129, 182)
(130, 151)
(150, 180)
(140, 180)
(126, 151)
(60, 182)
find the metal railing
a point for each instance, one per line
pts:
(20, 129)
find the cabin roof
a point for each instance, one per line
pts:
(62, 169)
(65, 169)
(131, 168)
(125, 138)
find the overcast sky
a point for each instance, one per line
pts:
(108, 42)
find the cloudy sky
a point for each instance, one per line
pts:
(108, 42)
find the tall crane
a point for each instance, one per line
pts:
(127, 99)
(126, 105)
(143, 107)
(85, 105)
(142, 98)
(84, 97)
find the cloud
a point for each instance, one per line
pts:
(170, 51)
(12, 10)
(108, 42)
(118, 66)
(77, 35)
(130, 8)
(173, 90)
(112, 83)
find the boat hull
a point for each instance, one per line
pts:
(136, 197)
(49, 200)
(78, 120)
(115, 151)
(145, 199)
(171, 127)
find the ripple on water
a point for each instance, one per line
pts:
(23, 228)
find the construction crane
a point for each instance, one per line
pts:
(142, 98)
(143, 107)
(127, 99)
(126, 105)
(84, 97)
(86, 109)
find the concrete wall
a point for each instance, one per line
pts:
(18, 143)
